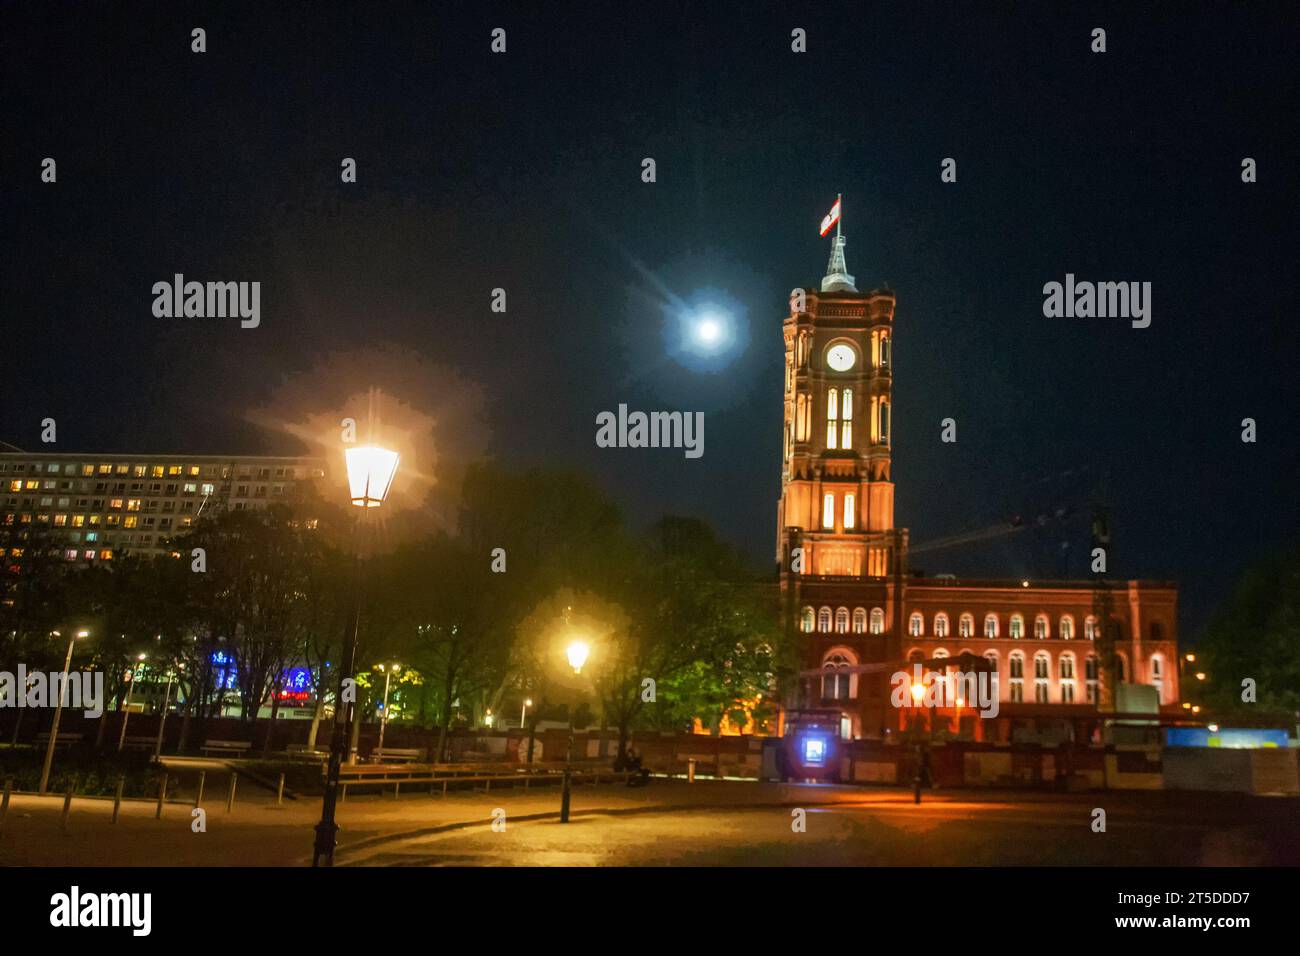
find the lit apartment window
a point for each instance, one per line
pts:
(15, 486)
(828, 511)
(850, 511)
(174, 470)
(87, 470)
(139, 471)
(60, 521)
(106, 555)
(192, 471)
(208, 488)
(130, 522)
(133, 504)
(156, 471)
(190, 487)
(105, 469)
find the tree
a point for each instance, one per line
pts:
(1256, 635)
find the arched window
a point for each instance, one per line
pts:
(991, 625)
(995, 680)
(1040, 627)
(877, 620)
(859, 620)
(1157, 631)
(941, 625)
(966, 626)
(1016, 669)
(1042, 671)
(1091, 670)
(916, 625)
(1017, 628)
(1067, 678)
(832, 417)
(842, 620)
(836, 681)
(940, 652)
(1066, 627)
(824, 620)
(846, 419)
(1090, 628)
(807, 620)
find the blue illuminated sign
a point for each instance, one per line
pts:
(814, 751)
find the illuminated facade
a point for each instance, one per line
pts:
(102, 506)
(848, 594)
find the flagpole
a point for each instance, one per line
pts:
(839, 223)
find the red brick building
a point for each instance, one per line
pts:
(847, 591)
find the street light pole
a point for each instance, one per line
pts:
(370, 475)
(58, 712)
(162, 721)
(388, 670)
(126, 710)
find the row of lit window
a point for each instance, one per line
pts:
(156, 471)
(841, 622)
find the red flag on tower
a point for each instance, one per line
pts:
(832, 217)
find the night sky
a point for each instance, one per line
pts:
(522, 171)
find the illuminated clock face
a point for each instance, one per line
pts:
(841, 357)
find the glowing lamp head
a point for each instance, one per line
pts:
(83, 633)
(370, 474)
(577, 653)
(708, 331)
(917, 692)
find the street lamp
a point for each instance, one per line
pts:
(126, 710)
(58, 708)
(370, 476)
(577, 653)
(162, 721)
(388, 671)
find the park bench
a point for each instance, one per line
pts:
(226, 747)
(398, 755)
(139, 743)
(64, 740)
(306, 753)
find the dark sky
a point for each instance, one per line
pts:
(522, 171)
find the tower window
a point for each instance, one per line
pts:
(850, 511)
(884, 422)
(828, 511)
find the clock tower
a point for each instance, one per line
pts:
(837, 493)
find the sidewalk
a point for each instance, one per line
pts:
(259, 833)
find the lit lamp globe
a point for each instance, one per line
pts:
(577, 653)
(370, 474)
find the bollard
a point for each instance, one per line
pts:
(117, 796)
(4, 801)
(690, 770)
(564, 798)
(198, 797)
(230, 797)
(279, 797)
(67, 806)
(162, 795)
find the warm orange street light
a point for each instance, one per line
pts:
(370, 474)
(577, 653)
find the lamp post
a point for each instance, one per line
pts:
(58, 708)
(126, 710)
(918, 692)
(523, 712)
(388, 670)
(577, 652)
(162, 721)
(370, 475)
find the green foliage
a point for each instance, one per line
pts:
(1256, 634)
